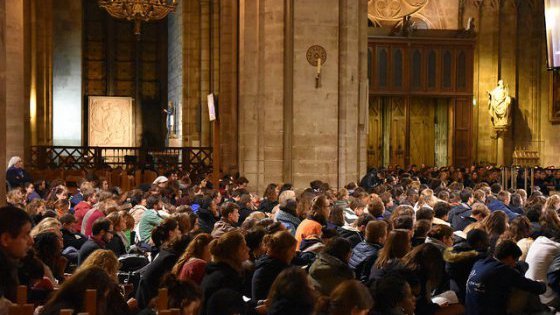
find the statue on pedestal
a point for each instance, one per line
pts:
(499, 106)
(170, 121)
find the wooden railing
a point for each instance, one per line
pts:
(190, 159)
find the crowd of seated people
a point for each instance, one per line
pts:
(416, 241)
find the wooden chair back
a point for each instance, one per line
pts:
(21, 307)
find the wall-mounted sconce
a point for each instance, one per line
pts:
(317, 56)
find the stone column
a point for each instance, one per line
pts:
(175, 75)
(289, 129)
(500, 148)
(15, 80)
(2, 102)
(228, 82)
(191, 72)
(67, 73)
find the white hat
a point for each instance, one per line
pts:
(159, 180)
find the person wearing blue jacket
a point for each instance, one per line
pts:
(501, 203)
(365, 253)
(491, 280)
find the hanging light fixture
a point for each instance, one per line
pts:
(138, 11)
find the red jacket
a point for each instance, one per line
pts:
(80, 211)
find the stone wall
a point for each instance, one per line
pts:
(2, 100)
(15, 130)
(289, 130)
(511, 46)
(228, 52)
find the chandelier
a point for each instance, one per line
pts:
(138, 11)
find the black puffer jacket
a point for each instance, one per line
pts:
(152, 274)
(354, 237)
(363, 258)
(459, 261)
(284, 306)
(220, 276)
(206, 220)
(266, 271)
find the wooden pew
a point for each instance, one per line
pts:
(21, 307)
(91, 301)
(162, 304)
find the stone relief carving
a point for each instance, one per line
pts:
(110, 121)
(394, 9)
(434, 14)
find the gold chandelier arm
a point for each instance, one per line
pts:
(138, 10)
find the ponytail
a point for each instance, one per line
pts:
(160, 234)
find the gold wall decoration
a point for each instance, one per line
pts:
(111, 121)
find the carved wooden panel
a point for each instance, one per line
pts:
(125, 71)
(124, 88)
(430, 67)
(382, 62)
(398, 68)
(375, 139)
(422, 132)
(95, 87)
(110, 121)
(95, 50)
(439, 65)
(462, 138)
(398, 131)
(416, 69)
(125, 51)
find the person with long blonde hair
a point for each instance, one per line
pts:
(105, 259)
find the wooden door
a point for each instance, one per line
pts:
(397, 145)
(375, 139)
(422, 131)
(462, 139)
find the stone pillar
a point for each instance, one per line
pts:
(501, 138)
(40, 25)
(288, 128)
(15, 80)
(191, 72)
(175, 75)
(228, 52)
(67, 73)
(487, 59)
(352, 82)
(2, 102)
(261, 91)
